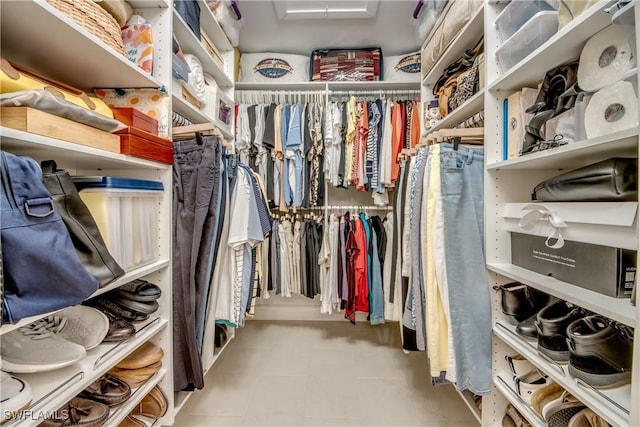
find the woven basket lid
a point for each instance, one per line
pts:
(119, 9)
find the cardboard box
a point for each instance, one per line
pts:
(40, 123)
(607, 270)
(139, 143)
(211, 48)
(136, 118)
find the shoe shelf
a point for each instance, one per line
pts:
(52, 389)
(128, 277)
(612, 404)
(468, 399)
(576, 154)
(27, 29)
(618, 309)
(470, 107)
(466, 39)
(70, 155)
(504, 383)
(190, 44)
(562, 47)
(120, 412)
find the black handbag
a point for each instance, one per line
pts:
(83, 229)
(612, 180)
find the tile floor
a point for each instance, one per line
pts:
(321, 374)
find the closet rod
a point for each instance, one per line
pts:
(279, 96)
(381, 92)
(359, 207)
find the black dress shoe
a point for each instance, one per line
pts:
(600, 351)
(520, 302)
(527, 328)
(552, 322)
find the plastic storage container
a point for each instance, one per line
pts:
(527, 39)
(518, 13)
(126, 211)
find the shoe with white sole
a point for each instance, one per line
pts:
(15, 395)
(82, 325)
(35, 348)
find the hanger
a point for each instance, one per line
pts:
(189, 132)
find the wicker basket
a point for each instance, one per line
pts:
(94, 19)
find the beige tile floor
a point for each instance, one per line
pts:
(321, 374)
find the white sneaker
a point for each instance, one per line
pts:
(82, 325)
(15, 395)
(35, 348)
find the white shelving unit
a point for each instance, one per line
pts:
(466, 39)
(222, 73)
(51, 390)
(504, 383)
(38, 36)
(612, 404)
(512, 180)
(460, 114)
(50, 31)
(120, 412)
(191, 45)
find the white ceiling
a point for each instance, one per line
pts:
(391, 28)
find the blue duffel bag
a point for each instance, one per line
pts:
(42, 271)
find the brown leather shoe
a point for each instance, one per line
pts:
(147, 354)
(136, 377)
(153, 405)
(119, 328)
(79, 412)
(108, 390)
(131, 422)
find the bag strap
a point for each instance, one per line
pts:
(48, 166)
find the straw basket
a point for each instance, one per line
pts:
(94, 19)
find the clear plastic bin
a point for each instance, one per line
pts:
(527, 39)
(519, 12)
(126, 212)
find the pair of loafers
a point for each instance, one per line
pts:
(153, 405)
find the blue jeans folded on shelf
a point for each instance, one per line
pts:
(462, 186)
(42, 271)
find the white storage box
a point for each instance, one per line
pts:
(518, 13)
(527, 39)
(126, 212)
(274, 67)
(218, 107)
(600, 223)
(402, 68)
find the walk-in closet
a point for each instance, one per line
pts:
(319, 213)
